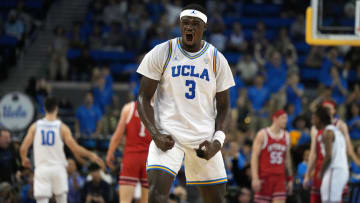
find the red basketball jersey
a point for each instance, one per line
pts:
(273, 155)
(137, 137)
(320, 151)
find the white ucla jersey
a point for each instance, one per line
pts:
(184, 102)
(338, 155)
(48, 144)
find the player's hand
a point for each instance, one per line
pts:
(26, 163)
(110, 158)
(208, 149)
(290, 187)
(256, 185)
(306, 183)
(95, 158)
(164, 142)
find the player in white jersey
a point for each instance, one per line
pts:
(342, 126)
(48, 136)
(189, 80)
(335, 169)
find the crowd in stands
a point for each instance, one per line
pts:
(20, 21)
(273, 68)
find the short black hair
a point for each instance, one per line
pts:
(50, 104)
(93, 167)
(197, 7)
(324, 115)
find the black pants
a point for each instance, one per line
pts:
(355, 193)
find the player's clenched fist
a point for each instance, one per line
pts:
(164, 142)
(208, 149)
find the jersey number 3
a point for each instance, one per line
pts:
(192, 86)
(47, 137)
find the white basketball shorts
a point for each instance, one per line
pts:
(49, 180)
(198, 171)
(333, 184)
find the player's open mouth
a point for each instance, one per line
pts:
(189, 37)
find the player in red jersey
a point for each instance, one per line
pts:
(317, 152)
(271, 162)
(133, 168)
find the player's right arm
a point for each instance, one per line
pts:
(119, 132)
(25, 145)
(76, 148)
(146, 112)
(254, 162)
(349, 147)
(312, 158)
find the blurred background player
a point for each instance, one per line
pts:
(271, 162)
(48, 136)
(317, 153)
(133, 167)
(334, 171)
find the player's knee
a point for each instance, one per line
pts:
(62, 198)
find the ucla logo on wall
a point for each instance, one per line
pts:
(16, 111)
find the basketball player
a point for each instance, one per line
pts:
(271, 169)
(334, 171)
(316, 155)
(48, 136)
(189, 80)
(133, 168)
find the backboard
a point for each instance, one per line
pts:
(333, 23)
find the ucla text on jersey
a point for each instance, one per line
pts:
(189, 71)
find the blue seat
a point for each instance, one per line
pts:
(301, 60)
(73, 53)
(232, 57)
(88, 143)
(277, 22)
(6, 40)
(8, 4)
(262, 9)
(116, 68)
(248, 34)
(302, 47)
(34, 4)
(248, 22)
(309, 73)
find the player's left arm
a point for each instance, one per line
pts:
(25, 145)
(328, 140)
(349, 147)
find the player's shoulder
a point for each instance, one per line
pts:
(164, 46)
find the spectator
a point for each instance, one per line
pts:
(354, 122)
(301, 168)
(14, 27)
(301, 127)
(339, 87)
(290, 110)
(234, 90)
(237, 39)
(294, 92)
(75, 38)
(88, 117)
(173, 10)
(355, 179)
(96, 190)
(217, 38)
(354, 96)
(114, 11)
(102, 93)
(247, 67)
(115, 40)
(276, 71)
(331, 61)
(58, 50)
(9, 158)
(27, 190)
(315, 57)
(76, 182)
(97, 8)
(26, 18)
(244, 195)
(82, 66)
(297, 29)
(258, 96)
(96, 37)
(8, 194)
(43, 89)
(259, 34)
(287, 49)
